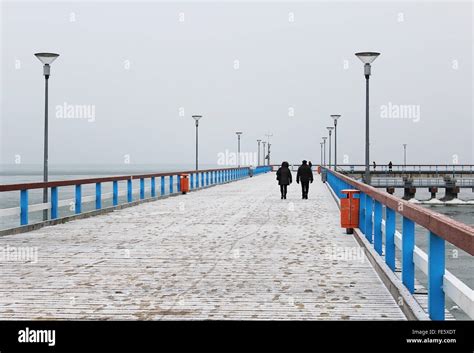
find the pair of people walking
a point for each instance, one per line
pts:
(304, 174)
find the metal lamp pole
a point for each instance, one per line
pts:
(367, 58)
(258, 153)
(268, 143)
(196, 119)
(335, 117)
(238, 133)
(405, 154)
(321, 163)
(330, 128)
(324, 144)
(46, 59)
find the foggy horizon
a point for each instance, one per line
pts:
(279, 68)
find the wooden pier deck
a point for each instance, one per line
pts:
(232, 251)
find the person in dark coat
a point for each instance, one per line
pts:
(284, 178)
(305, 174)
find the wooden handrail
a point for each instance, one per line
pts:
(49, 184)
(455, 232)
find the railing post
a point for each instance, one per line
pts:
(23, 207)
(162, 185)
(98, 196)
(54, 202)
(197, 180)
(378, 227)
(202, 179)
(171, 184)
(207, 178)
(408, 244)
(436, 268)
(115, 193)
(191, 184)
(153, 187)
(178, 182)
(362, 212)
(78, 204)
(129, 190)
(142, 188)
(390, 221)
(368, 218)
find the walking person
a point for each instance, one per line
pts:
(284, 178)
(305, 175)
(390, 165)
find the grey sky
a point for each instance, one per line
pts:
(426, 62)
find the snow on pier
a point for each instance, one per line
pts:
(231, 251)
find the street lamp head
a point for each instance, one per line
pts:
(238, 132)
(46, 58)
(196, 119)
(335, 117)
(330, 128)
(324, 139)
(367, 57)
(259, 141)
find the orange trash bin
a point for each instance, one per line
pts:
(350, 210)
(184, 183)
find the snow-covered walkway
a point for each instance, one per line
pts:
(232, 251)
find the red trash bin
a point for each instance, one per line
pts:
(184, 183)
(350, 210)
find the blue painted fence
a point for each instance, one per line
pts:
(198, 179)
(373, 211)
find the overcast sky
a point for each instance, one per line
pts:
(143, 68)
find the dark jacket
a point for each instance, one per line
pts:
(284, 176)
(304, 173)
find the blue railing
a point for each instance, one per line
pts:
(168, 185)
(373, 224)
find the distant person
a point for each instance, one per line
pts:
(310, 165)
(375, 165)
(284, 178)
(390, 165)
(305, 174)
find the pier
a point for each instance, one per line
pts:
(228, 249)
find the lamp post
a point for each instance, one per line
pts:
(46, 59)
(258, 153)
(335, 117)
(405, 155)
(330, 128)
(324, 144)
(269, 144)
(268, 149)
(367, 58)
(321, 163)
(264, 143)
(196, 120)
(238, 133)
